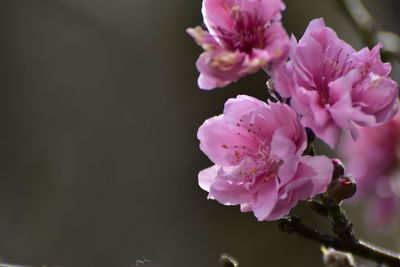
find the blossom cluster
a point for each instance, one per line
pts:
(324, 84)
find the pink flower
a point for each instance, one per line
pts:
(334, 87)
(243, 36)
(257, 150)
(374, 161)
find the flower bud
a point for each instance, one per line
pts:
(228, 261)
(342, 188)
(338, 169)
(333, 258)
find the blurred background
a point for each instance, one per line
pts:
(99, 109)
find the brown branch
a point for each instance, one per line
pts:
(366, 26)
(292, 224)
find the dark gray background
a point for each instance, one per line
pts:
(99, 110)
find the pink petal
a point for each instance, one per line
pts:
(287, 170)
(216, 13)
(229, 193)
(329, 133)
(208, 82)
(207, 177)
(323, 168)
(266, 199)
(235, 108)
(281, 146)
(342, 86)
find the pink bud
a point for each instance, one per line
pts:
(342, 188)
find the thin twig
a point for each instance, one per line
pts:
(357, 247)
(366, 26)
(361, 19)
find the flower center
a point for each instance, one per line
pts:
(268, 168)
(265, 167)
(331, 69)
(248, 32)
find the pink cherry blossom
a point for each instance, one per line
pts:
(374, 161)
(335, 87)
(243, 36)
(257, 150)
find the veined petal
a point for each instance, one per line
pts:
(207, 177)
(281, 146)
(323, 168)
(217, 13)
(265, 200)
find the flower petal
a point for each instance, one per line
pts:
(266, 199)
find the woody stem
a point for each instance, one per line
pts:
(292, 224)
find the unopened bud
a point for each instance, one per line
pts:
(228, 261)
(342, 188)
(334, 258)
(338, 168)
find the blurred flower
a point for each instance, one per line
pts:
(243, 36)
(334, 87)
(257, 148)
(374, 161)
(334, 258)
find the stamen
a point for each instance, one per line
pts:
(249, 32)
(332, 68)
(265, 167)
